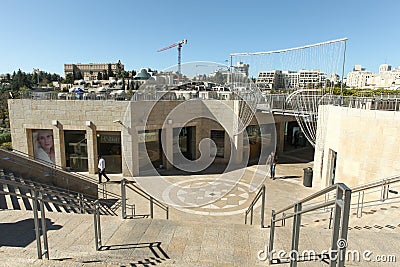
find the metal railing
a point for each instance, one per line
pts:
(260, 194)
(52, 169)
(271, 102)
(278, 102)
(53, 166)
(106, 194)
(341, 205)
(374, 193)
(130, 185)
(38, 200)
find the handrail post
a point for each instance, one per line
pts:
(251, 215)
(344, 227)
(80, 201)
(97, 229)
(330, 218)
(36, 221)
(104, 190)
(335, 229)
(98, 222)
(151, 207)
(271, 236)
(123, 197)
(262, 206)
(340, 225)
(362, 203)
(44, 228)
(295, 235)
(96, 240)
(283, 220)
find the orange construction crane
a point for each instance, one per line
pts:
(179, 44)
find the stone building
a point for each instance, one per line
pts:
(135, 136)
(93, 71)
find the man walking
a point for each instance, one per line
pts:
(102, 169)
(271, 162)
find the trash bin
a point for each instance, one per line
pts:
(308, 176)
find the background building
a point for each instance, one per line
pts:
(387, 78)
(93, 71)
(283, 80)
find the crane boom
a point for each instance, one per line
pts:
(168, 47)
(179, 44)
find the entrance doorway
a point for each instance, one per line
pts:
(109, 146)
(218, 137)
(186, 137)
(332, 169)
(76, 150)
(150, 149)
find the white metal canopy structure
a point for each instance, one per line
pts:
(309, 72)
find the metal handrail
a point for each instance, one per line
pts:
(37, 197)
(27, 156)
(38, 188)
(373, 184)
(340, 221)
(310, 197)
(260, 193)
(381, 185)
(103, 191)
(81, 198)
(53, 166)
(141, 192)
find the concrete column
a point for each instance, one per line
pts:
(227, 147)
(134, 162)
(167, 141)
(238, 145)
(280, 136)
(91, 137)
(59, 146)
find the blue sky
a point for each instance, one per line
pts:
(45, 34)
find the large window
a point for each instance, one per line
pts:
(150, 147)
(76, 150)
(186, 138)
(219, 139)
(109, 146)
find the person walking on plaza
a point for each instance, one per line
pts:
(102, 169)
(271, 162)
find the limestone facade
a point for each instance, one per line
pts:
(128, 119)
(363, 141)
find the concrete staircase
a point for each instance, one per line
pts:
(135, 242)
(58, 195)
(158, 242)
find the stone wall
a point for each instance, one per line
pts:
(365, 141)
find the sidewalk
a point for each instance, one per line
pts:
(228, 200)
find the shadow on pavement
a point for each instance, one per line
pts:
(22, 233)
(158, 253)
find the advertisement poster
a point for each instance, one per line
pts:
(43, 146)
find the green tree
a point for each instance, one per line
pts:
(219, 78)
(4, 106)
(69, 78)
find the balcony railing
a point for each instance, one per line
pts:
(270, 102)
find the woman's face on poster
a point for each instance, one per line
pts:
(45, 140)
